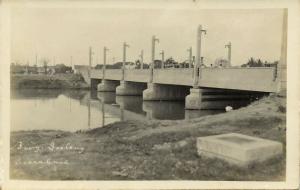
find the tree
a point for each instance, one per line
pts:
(62, 68)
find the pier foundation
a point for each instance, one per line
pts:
(164, 92)
(127, 88)
(194, 99)
(107, 86)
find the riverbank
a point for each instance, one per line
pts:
(57, 81)
(150, 150)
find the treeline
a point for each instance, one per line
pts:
(58, 68)
(168, 63)
(259, 63)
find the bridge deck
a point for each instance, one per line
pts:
(250, 79)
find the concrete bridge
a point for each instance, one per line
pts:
(195, 84)
(178, 84)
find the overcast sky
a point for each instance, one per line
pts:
(65, 32)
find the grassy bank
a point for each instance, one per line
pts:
(57, 81)
(152, 150)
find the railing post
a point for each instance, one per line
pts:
(197, 68)
(229, 52)
(125, 45)
(154, 39)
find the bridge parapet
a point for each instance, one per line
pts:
(251, 79)
(137, 75)
(183, 76)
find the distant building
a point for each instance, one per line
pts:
(220, 62)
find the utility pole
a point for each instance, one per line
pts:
(190, 57)
(71, 62)
(154, 39)
(125, 45)
(162, 59)
(104, 62)
(229, 53)
(36, 59)
(197, 67)
(142, 59)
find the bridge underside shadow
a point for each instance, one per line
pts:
(195, 98)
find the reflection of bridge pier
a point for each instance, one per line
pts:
(163, 109)
(107, 97)
(130, 103)
(123, 107)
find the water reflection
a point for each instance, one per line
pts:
(74, 110)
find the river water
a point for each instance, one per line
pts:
(72, 110)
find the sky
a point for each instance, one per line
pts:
(57, 33)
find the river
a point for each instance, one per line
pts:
(72, 110)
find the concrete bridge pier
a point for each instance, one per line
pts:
(164, 92)
(107, 86)
(194, 99)
(127, 88)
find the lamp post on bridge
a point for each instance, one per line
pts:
(197, 67)
(154, 39)
(190, 57)
(229, 52)
(90, 61)
(194, 99)
(142, 59)
(104, 62)
(162, 59)
(125, 45)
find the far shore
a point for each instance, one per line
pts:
(42, 81)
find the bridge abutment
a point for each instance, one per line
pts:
(210, 98)
(127, 88)
(107, 86)
(164, 92)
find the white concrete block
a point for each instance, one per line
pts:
(238, 149)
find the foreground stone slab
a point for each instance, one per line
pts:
(238, 149)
